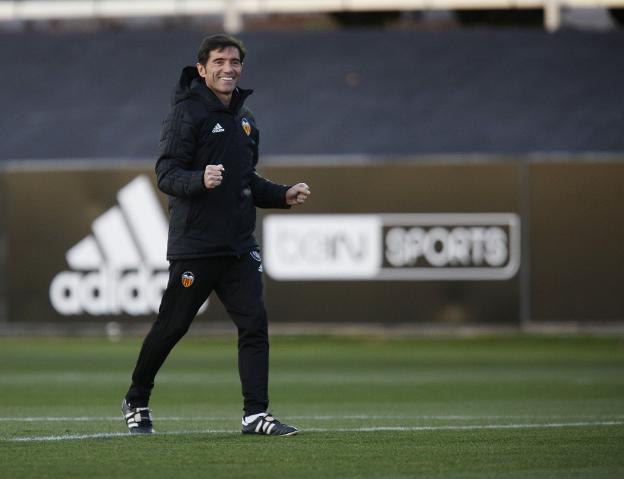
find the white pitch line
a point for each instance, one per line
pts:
(354, 429)
(470, 427)
(68, 437)
(105, 435)
(308, 418)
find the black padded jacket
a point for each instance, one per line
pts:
(198, 131)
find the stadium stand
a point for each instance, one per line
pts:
(77, 95)
(347, 12)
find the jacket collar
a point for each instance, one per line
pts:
(200, 90)
(191, 85)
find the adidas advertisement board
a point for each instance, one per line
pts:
(93, 248)
(121, 267)
(424, 244)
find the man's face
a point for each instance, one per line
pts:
(222, 70)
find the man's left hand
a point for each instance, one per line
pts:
(297, 194)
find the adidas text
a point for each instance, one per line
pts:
(108, 292)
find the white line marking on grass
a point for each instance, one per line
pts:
(104, 435)
(69, 437)
(475, 376)
(469, 427)
(309, 418)
(118, 418)
(457, 417)
(55, 418)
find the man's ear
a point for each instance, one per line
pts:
(201, 69)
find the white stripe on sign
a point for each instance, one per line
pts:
(113, 236)
(84, 255)
(146, 219)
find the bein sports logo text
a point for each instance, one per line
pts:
(121, 267)
(440, 246)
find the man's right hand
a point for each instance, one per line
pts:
(213, 175)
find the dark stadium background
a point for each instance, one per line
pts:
(446, 358)
(436, 107)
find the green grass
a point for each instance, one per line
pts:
(504, 407)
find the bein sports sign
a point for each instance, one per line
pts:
(426, 247)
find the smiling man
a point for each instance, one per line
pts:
(207, 167)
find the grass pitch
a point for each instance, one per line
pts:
(504, 407)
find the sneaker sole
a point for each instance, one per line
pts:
(294, 433)
(141, 431)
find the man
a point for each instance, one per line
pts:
(208, 155)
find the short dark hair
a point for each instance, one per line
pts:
(219, 42)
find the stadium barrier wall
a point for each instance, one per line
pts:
(460, 242)
(4, 252)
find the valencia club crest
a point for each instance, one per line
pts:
(246, 126)
(187, 279)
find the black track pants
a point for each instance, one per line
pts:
(238, 284)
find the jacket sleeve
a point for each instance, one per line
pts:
(178, 141)
(266, 194)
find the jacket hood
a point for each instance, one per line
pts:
(182, 90)
(191, 85)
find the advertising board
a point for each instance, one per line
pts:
(424, 244)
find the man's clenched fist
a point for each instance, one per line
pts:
(297, 194)
(213, 176)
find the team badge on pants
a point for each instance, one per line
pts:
(187, 279)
